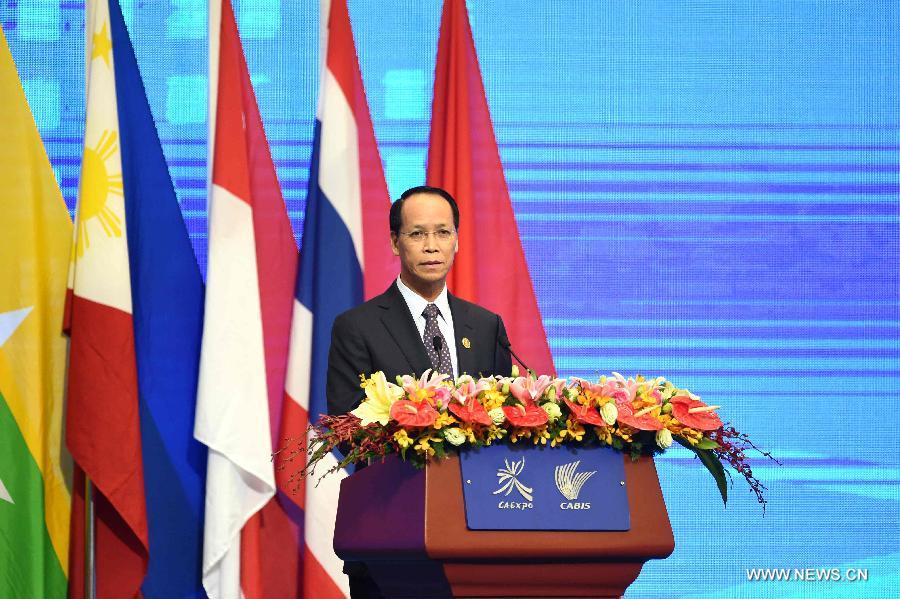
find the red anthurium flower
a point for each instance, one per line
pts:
(470, 411)
(642, 422)
(695, 414)
(413, 414)
(585, 414)
(526, 415)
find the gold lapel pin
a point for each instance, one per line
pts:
(466, 343)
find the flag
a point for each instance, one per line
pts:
(34, 254)
(251, 544)
(102, 416)
(490, 267)
(345, 257)
(167, 297)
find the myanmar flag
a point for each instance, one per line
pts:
(35, 237)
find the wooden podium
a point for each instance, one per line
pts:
(409, 527)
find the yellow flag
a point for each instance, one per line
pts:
(35, 241)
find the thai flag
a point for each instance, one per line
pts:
(345, 256)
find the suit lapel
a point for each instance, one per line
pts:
(400, 325)
(463, 329)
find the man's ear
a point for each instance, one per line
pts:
(394, 247)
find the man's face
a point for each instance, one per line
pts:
(425, 262)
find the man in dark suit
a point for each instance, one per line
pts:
(414, 325)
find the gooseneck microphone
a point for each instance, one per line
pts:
(504, 343)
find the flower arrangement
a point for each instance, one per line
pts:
(423, 419)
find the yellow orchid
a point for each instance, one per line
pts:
(603, 434)
(380, 396)
(574, 430)
(402, 439)
(443, 420)
(541, 435)
(424, 444)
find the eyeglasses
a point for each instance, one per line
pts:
(420, 236)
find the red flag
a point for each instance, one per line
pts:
(490, 267)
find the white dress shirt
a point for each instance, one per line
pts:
(416, 304)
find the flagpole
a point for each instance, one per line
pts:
(90, 580)
(90, 570)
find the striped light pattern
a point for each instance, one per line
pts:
(695, 184)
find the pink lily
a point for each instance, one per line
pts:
(465, 404)
(428, 387)
(558, 385)
(469, 388)
(528, 390)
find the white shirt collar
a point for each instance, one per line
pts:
(417, 303)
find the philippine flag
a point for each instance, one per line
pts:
(345, 257)
(102, 416)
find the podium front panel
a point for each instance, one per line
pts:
(537, 488)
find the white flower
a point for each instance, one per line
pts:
(553, 411)
(609, 412)
(664, 438)
(464, 379)
(454, 436)
(497, 416)
(515, 371)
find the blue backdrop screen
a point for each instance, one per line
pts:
(705, 189)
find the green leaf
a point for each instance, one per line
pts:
(439, 451)
(707, 444)
(713, 464)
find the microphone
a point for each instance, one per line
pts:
(437, 344)
(504, 343)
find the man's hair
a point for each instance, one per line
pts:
(396, 207)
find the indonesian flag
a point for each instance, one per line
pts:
(102, 423)
(463, 159)
(345, 257)
(250, 545)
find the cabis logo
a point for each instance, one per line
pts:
(569, 483)
(509, 482)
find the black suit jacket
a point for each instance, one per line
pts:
(381, 335)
